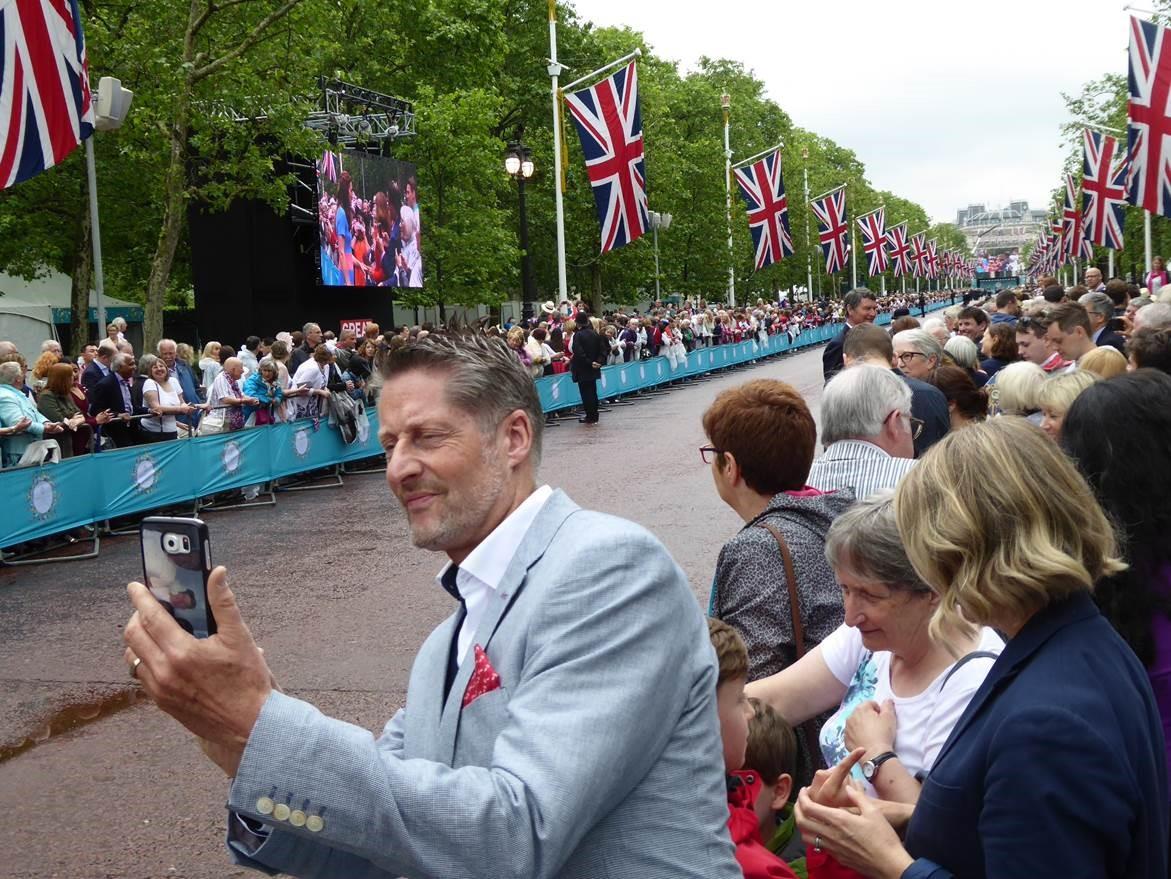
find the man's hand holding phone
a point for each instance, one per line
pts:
(214, 686)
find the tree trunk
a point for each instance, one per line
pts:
(596, 297)
(81, 281)
(174, 209)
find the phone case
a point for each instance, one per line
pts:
(176, 574)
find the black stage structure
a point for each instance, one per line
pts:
(256, 271)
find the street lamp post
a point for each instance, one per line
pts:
(518, 162)
(658, 221)
(808, 252)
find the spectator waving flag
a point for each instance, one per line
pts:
(610, 127)
(328, 167)
(46, 109)
(873, 227)
(1103, 190)
(900, 250)
(1148, 136)
(919, 255)
(763, 188)
(834, 228)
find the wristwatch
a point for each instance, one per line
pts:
(870, 767)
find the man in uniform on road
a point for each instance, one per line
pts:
(560, 723)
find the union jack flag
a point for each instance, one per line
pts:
(1103, 190)
(833, 228)
(932, 259)
(1071, 220)
(945, 263)
(1148, 129)
(873, 227)
(610, 127)
(900, 251)
(919, 254)
(763, 188)
(46, 109)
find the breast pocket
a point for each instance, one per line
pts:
(480, 723)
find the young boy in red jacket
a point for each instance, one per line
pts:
(744, 787)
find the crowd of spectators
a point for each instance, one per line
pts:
(878, 594)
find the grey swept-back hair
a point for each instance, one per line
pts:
(865, 541)
(484, 377)
(923, 342)
(857, 401)
(963, 351)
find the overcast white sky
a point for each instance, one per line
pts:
(946, 103)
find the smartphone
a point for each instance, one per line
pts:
(176, 562)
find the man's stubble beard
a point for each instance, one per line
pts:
(468, 507)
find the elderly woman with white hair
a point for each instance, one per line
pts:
(937, 327)
(966, 355)
(917, 353)
(21, 423)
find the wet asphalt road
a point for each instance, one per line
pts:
(340, 601)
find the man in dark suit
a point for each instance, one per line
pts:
(121, 394)
(98, 368)
(589, 353)
(861, 308)
(1100, 309)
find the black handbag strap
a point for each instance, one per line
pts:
(964, 660)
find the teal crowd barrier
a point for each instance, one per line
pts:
(42, 501)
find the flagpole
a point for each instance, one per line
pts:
(726, 105)
(554, 70)
(752, 159)
(605, 68)
(808, 252)
(1109, 262)
(1147, 240)
(96, 241)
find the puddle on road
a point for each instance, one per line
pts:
(74, 716)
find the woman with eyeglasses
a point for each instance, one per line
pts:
(761, 438)
(917, 353)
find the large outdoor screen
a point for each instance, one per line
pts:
(368, 213)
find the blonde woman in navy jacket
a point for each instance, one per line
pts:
(1057, 767)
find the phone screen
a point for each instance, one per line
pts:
(176, 566)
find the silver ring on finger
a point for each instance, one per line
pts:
(134, 667)
(817, 844)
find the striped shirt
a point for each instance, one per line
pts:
(858, 465)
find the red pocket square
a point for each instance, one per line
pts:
(484, 679)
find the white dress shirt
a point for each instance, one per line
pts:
(481, 572)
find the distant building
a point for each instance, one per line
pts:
(1000, 231)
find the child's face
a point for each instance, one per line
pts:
(734, 712)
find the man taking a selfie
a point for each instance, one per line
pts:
(550, 719)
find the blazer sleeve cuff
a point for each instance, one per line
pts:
(925, 869)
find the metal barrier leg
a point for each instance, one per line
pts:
(335, 481)
(378, 468)
(32, 557)
(268, 493)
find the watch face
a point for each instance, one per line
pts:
(868, 770)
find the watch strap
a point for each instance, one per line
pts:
(877, 762)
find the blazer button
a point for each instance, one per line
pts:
(297, 818)
(314, 823)
(264, 805)
(281, 812)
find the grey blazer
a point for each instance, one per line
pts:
(598, 756)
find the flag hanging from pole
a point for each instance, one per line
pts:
(762, 187)
(609, 124)
(919, 254)
(833, 228)
(1070, 220)
(328, 166)
(932, 260)
(873, 228)
(46, 109)
(900, 250)
(1148, 128)
(1103, 190)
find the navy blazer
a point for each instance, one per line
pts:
(1057, 767)
(831, 357)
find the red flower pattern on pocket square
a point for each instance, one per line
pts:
(483, 680)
